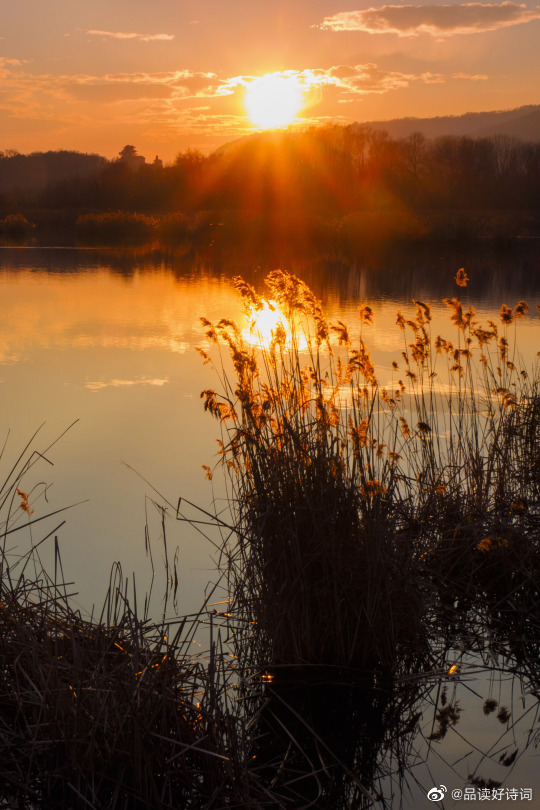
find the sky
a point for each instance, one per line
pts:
(168, 76)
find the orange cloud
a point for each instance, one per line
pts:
(440, 21)
(111, 92)
(4, 60)
(162, 105)
(351, 79)
(116, 383)
(130, 35)
(18, 84)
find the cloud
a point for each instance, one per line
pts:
(99, 384)
(181, 86)
(71, 99)
(353, 80)
(130, 35)
(163, 105)
(180, 83)
(6, 62)
(369, 78)
(111, 92)
(440, 21)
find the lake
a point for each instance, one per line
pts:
(108, 338)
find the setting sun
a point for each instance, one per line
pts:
(273, 100)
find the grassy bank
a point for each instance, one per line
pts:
(365, 228)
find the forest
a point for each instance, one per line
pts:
(344, 181)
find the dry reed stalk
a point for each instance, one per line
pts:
(107, 712)
(357, 508)
(372, 532)
(373, 526)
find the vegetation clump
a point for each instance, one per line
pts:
(107, 711)
(15, 227)
(373, 524)
(361, 508)
(115, 227)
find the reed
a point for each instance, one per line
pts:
(359, 509)
(375, 528)
(116, 227)
(373, 532)
(108, 711)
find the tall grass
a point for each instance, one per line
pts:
(374, 524)
(111, 710)
(376, 534)
(349, 497)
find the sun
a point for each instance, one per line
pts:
(273, 100)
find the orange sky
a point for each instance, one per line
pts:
(167, 76)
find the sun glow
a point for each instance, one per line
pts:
(273, 100)
(268, 324)
(263, 324)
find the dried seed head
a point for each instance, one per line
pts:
(461, 278)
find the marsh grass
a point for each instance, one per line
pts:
(111, 710)
(357, 505)
(376, 527)
(380, 544)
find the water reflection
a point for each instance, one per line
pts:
(341, 739)
(404, 272)
(109, 337)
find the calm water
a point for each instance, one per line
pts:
(109, 339)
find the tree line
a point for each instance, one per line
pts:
(333, 173)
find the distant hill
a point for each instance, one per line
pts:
(522, 123)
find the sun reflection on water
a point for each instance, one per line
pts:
(268, 325)
(263, 324)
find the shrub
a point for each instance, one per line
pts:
(15, 226)
(115, 227)
(175, 227)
